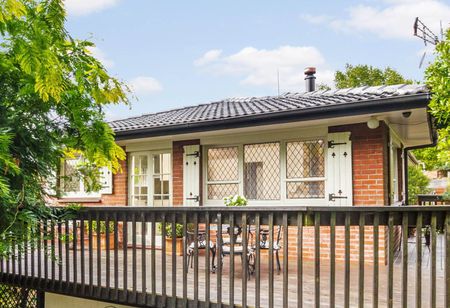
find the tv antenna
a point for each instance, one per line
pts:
(426, 35)
(278, 81)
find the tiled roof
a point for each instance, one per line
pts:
(252, 106)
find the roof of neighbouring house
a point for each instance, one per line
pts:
(269, 108)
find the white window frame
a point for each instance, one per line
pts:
(283, 180)
(311, 179)
(205, 172)
(150, 175)
(76, 194)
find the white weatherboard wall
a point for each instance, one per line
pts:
(58, 301)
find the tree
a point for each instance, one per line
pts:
(52, 95)
(417, 183)
(434, 158)
(367, 75)
(437, 78)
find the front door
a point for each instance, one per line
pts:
(149, 178)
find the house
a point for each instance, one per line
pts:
(326, 148)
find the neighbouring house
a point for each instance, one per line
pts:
(439, 181)
(317, 148)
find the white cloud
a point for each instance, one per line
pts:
(145, 85)
(101, 56)
(208, 57)
(316, 19)
(85, 7)
(259, 67)
(393, 18)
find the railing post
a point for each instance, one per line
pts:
(433, 261)
(390, 283)
(447, 259)
(317, 259)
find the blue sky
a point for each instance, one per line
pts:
(179, 53)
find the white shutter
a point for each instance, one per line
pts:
(339, 169)
(191, 175)
(106, 181)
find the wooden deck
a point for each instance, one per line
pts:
(308, 278)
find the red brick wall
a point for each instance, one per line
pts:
(370, 163)
(177, 170)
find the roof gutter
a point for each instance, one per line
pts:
(341, 110)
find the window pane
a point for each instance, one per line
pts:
(71, 180)
(166, 163)
(144, 190)
(305, 159)
(305, 190)
(165, 185)
(223, 164)
(220, 191)
(156, 164)
(262, 171)
(157, 186)
(140, 201)
(143, 164)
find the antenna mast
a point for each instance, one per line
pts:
(278, 80)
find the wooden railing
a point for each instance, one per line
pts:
(432, 200)
(362, 256)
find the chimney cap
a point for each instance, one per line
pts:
(310, 71)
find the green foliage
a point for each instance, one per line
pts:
(235, 200)
(178, 229)
(367, 75)
(417, 184)
(323, 87)
(437, 78)
(100, 227)
(433, 158)
(52, 96)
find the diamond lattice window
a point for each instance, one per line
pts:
(262, 171)
(305, 169)
(223, 172)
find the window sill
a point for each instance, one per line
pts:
(79, 199)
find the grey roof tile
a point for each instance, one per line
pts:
(250, 106)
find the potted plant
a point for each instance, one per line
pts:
(235, 200)
(169, 240)
(100, 228)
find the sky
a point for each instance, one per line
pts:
(179, 53)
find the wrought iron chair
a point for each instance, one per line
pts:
(201, 244)
(238, 248)
(264, 244)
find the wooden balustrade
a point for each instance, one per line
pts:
(116, 254)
